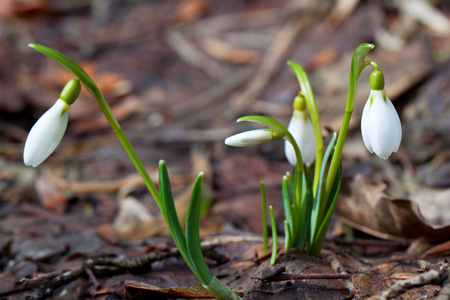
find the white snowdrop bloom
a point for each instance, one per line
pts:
(302, 130)
(46, 134)
(250, 138)
(380, 125)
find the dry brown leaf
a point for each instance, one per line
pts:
(14, 8)
(377, 279)
(222, 51)
(50, 196)
(144, 290)
(364, 205)
(191, 10)
(107, 232)
(143, 226)
(132, 214)
(121, 111)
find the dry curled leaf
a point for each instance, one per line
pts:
(365, 206)
(222, 51)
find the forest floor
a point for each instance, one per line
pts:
(177, 74)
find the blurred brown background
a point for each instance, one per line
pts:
(177, 75)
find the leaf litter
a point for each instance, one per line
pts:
(52, 227)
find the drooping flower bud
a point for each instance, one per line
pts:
(380, 125)
(48, 131)
(302, 130)
(250, 138)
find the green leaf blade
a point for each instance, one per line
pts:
(192, 233)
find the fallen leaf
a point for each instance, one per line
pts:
(136, 224)
(107, 232)
(222, 51)
(132, 214)
(50, 196)
(190, 10)
(121, 111)
(365, 206)
(377, 279)
(13, 8)
(142, 290)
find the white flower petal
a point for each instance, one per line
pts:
(250, 138)
(46, 134)
(365, 124)
(398, 125)
(380, 125)
(302, 130)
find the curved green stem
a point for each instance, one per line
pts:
(92, 88)
(298, 155)
(307, 92)
(357, 65)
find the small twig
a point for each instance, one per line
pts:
(336, 265)
(188, 52)
(287, 276)
(40, 279)
(403, 285)
(369, 243)
(91, 276)
(444, 294)
(102, 266)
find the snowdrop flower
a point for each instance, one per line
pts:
(250, 138)
(48, 131)
(380, 125)
(302, 130)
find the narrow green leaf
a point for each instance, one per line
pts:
(287, 205)
(308, 94)
(305, 209)
(264, 218)
(170, 214)
(192, 233)
(316, 246)
(287, 235)
(273, 256)
(318, 205)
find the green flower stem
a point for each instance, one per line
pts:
(92, 88)
(357, 66)
(264, 217)
(298, 187)
(307, 92)
(280, 131)
(273, 256)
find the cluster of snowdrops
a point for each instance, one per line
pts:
(309, 194)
